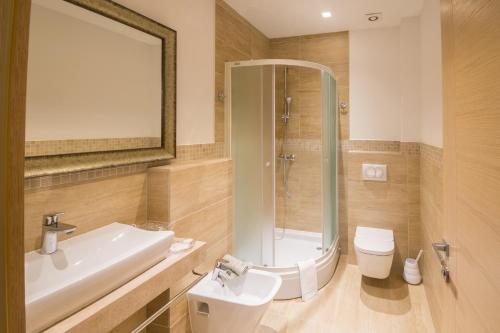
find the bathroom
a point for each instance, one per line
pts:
(290, 162)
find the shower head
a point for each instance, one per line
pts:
(288, 101)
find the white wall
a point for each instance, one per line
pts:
(409, 43)
(76, 93)
(194, 21)
(431, 80)
(385, 98)
(374, 89)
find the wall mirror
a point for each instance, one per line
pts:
(100, 87)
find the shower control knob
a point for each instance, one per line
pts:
(287, 157)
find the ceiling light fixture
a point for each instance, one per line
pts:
(372, 17)
(326, 14)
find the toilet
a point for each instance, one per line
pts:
(374, 251)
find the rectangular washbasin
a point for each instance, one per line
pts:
(87, 267)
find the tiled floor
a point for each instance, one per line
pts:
(352, 303)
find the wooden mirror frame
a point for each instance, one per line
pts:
(51, 165)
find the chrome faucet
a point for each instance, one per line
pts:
(52, 226)
(222, 273)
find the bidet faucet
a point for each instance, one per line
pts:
(52, 226)
(222, 273)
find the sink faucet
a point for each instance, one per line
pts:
(51, 226)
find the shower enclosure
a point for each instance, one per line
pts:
(281, 121)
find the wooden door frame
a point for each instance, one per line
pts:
(449, 160)
(14, 30)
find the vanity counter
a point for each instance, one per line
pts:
(112, 309)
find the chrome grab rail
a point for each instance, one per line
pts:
(164, 308)
(442, 247)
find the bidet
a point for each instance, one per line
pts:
(238, 306)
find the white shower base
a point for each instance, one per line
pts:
(297, 246)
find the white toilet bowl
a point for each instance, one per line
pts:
(236, 307)
(374, 251)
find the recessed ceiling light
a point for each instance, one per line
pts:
(372, 17)
(326, 14)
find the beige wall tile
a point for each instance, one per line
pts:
(87, 205)
(331, 50)
(285, 48)
(394, 204)
(180, 189)
(195, 199)
(431, 228)
(235, 39)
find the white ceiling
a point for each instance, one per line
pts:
(284, 18)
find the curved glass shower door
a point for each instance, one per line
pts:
(282, 122)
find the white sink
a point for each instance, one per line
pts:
(87, 267)
(236, 307)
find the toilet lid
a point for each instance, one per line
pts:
(376, 246)
(378, 233)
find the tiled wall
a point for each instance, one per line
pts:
(195, 201)
(184, 153)
(87, 204)
(331, 50)
(93, 198)
(235, 39)
(431, 210)
(200, 151)
(394, 204)
(192, 197)
(303, 209)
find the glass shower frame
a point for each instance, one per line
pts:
(330, 144)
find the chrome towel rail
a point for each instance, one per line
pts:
(437, 248)
(164, 308)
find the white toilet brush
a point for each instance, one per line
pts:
(419, 255)
(411, 272)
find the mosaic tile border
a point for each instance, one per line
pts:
(184, 153)
(431, 153)
(371, 145)
(217, 150)
(303, 145)
(44, 182)
(200, 151)
(409, 148)
(73, 146)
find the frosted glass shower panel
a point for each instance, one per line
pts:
(329, 144)
(252, 139)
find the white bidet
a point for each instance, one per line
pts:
(236, 307)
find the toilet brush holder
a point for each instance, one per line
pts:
(411, 272)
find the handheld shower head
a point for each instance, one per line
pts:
(288, 102)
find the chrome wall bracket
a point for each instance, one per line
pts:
(438, 248)
(167, 306)
(343, 107)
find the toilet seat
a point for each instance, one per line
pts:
(374, 241)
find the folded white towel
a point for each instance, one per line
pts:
(308, 279)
